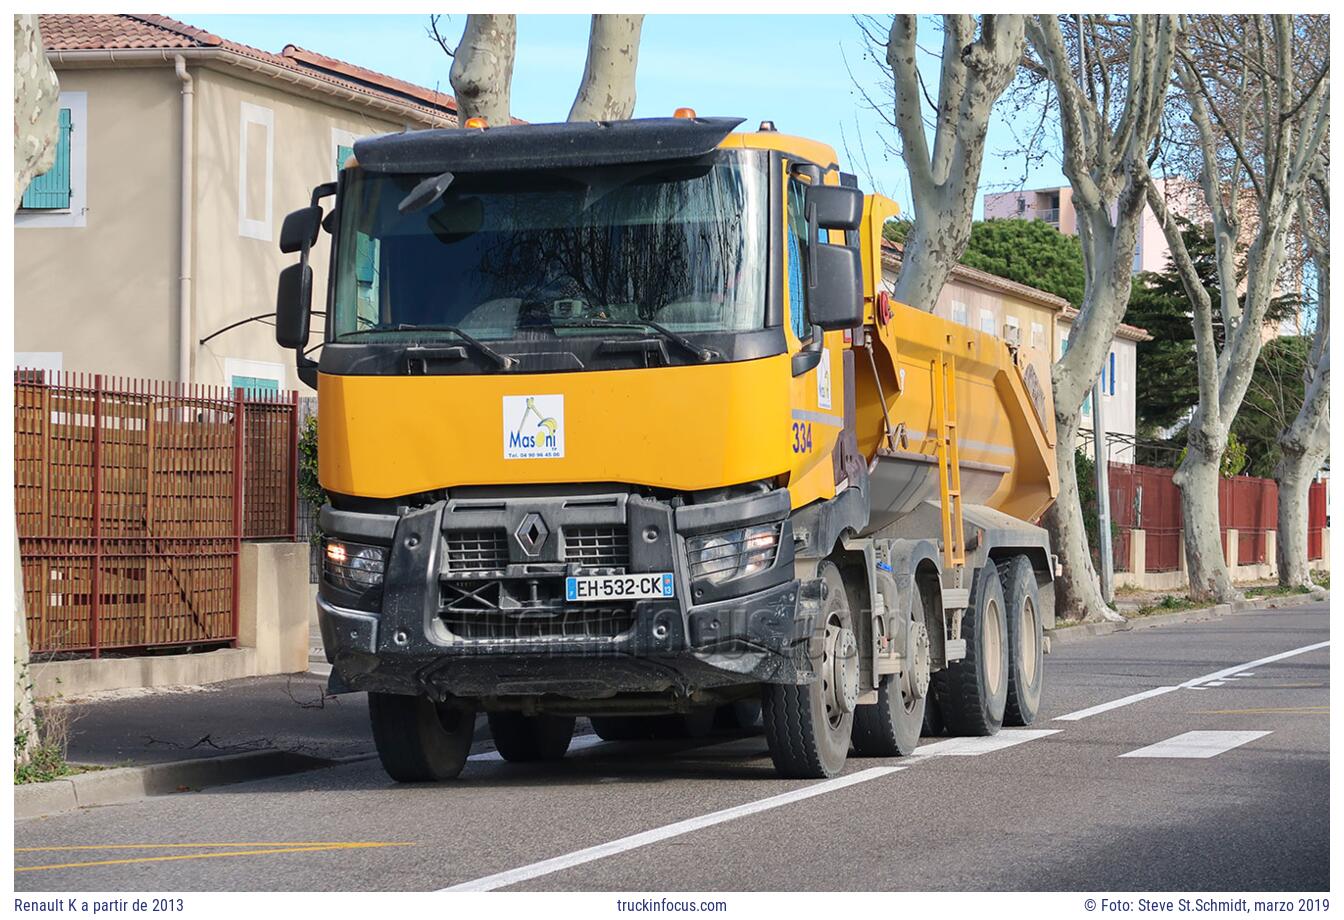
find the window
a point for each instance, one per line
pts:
(1038, 336)
(256, 147)
(366, 260)
(987, 321)
(254, 376)
(797, 234)
(57, 198)
(1012, 331)
(959, 313)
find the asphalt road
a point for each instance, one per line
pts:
(1074, 803)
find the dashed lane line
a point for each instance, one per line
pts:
(974, 747)
(1196, 745)
(1192, 684)
(658, 834)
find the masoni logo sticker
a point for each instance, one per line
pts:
(534, 427)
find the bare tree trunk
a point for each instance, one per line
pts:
(1076, 589)
(1108, 123)
(35, 110)
(36, 92)
(482, 70)
(1257, 119)
(607, 90)
(1306, 441)
(943, 180)
(1197, 478)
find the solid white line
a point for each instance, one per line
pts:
(1113, 704)
(974, 747)
(1191, 684)
(1225, 672)
(1197, 744)
(658, 834)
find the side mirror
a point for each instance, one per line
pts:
(293, 306)
(300, 228)
(835, 300)
(835, 207)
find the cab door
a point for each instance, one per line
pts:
(817, 396)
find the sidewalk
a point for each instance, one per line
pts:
(289, 713)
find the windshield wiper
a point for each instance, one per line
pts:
(702, 354)
(504, 361)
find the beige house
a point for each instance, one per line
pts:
(180, 155)
(1039, 322)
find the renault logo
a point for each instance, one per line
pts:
(531, 533)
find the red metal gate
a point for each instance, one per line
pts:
(129, 510)
(1316, 519)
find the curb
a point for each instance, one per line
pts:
(1065, 635)
(128, 784)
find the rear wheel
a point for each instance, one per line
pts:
(808, 727)
(1026, 641)
(974, 690)
(523, 739)
(891, 727)
(418, 740)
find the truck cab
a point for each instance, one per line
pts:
(588, 423)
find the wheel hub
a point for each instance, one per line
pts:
(918, 672)
(843, 668)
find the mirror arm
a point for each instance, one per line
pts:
(809, 356)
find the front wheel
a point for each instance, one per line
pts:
(418, 740)
(808, 727)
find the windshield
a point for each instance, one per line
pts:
(563, 252)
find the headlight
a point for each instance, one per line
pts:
(718, 557)
(353, 566)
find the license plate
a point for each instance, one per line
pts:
(618, 587)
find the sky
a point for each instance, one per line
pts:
(798, 71)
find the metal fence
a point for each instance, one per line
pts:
(131, 503)
(1145, 498)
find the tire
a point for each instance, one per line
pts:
(418, 740)
(807, 730)
(934, 726)
(1026, 641)
(891, 727)
(528, 739)
(739, 716)
(974, 691)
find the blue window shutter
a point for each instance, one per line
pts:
(343, 154)
(1112, 386)
(51, 190)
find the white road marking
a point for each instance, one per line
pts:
(1192, 684)
(1246, 674)
(1113, 704)
(974, 747)
(658, 834)
(1197, 744)
(1214, 683)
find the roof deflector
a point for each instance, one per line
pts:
(543, 146)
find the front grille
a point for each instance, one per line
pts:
(607, 547)
(476, 550)
(581, 623)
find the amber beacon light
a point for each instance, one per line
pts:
(684, 112)
(476, 121)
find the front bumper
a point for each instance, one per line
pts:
(463, 614)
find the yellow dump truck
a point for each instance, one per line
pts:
(617, 421)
